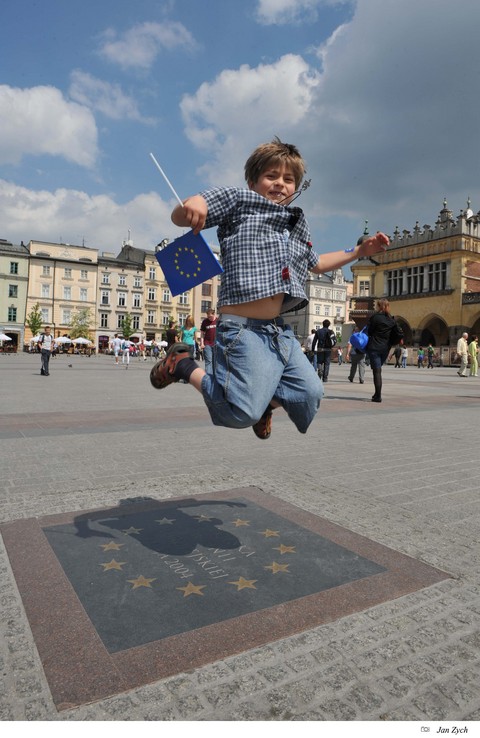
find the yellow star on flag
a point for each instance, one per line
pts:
(113, 565)
(277, 567)
(141, 581)
(192, 589)
(242, 583)
(285, 549)
(269, 533)
(112, 546)
(238, 522)
(131, 530)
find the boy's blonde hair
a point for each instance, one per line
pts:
(273, 153)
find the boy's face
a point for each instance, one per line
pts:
(276, 183)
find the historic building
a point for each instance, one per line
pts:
(61, 279)
(13, 292)
(431, 277)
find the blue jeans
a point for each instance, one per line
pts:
(377, 358)
(256, 361)
(208, 358)
(323, 363)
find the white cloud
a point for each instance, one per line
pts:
(387, 119)
(224, 118)
(106, 97)
(290, 11)
(139, 46)
(74, 216)
(40, 121)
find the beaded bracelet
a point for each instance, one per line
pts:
(350, 251)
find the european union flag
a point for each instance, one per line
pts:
(186, 262)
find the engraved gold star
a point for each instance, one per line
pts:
(112, 546)
(277, 567)
(242, 583)
(238, 522)
(131, 530)
(191, 588)
(113, 565)
(285, 549)
(269, 533)
(165, 521)
(141, 581)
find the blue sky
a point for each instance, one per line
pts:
(379, 95)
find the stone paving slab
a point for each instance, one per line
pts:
(402, 474)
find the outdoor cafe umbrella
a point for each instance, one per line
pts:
(4, 337)
(63, 339)
(81, 340)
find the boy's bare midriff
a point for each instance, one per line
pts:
(265, 309)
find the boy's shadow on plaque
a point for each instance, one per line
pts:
(166, 529)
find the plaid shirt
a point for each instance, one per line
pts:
(265, 247)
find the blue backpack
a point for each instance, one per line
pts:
(359, 340)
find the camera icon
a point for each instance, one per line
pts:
(425, 729)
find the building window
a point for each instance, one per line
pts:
(206, 289)
(83, 273)
(105, 297)
(45, 270)
(394, 282)
(165, 318)
(364, 287)
(67, 293)
(166, 295)
(152, 273)
(45, 315)
(137, 281)
(122, 280)
(437, 276)
(327, 310)
(152, 293)
(66, 317)
(137, 301)
(122, 299)
(103, 320)
(150, 317)
(205, 305)
(318, 309)
(14, 267)
(12, 315)
(45, 290)
(120, 319)
(135, 322)
(13, 290)
(67, 273)
(105, 279)
(183, 298)
(338, 311)
(414, 280)
(83, 294)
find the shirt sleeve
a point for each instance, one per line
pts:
(221, 202)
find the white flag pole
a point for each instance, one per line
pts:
(166, 179)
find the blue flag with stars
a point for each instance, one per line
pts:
(186, 262)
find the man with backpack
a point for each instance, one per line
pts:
(46, 343)
(323, 342)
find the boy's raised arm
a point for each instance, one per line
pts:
(336, 259)
(192, 213)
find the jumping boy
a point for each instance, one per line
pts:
(266, 253)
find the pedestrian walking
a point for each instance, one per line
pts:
(46, 344)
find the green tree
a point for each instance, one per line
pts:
(34, 319)
(80, 324)
(127, 328)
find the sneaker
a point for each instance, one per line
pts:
(162, 373)
(263, 428)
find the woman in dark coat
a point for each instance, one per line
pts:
(380, 329)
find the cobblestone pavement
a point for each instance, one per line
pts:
(403, 473)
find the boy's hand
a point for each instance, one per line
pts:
(374, 244)
(193, 213)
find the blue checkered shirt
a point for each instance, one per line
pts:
(265, 247)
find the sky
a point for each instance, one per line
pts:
(380, 96)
